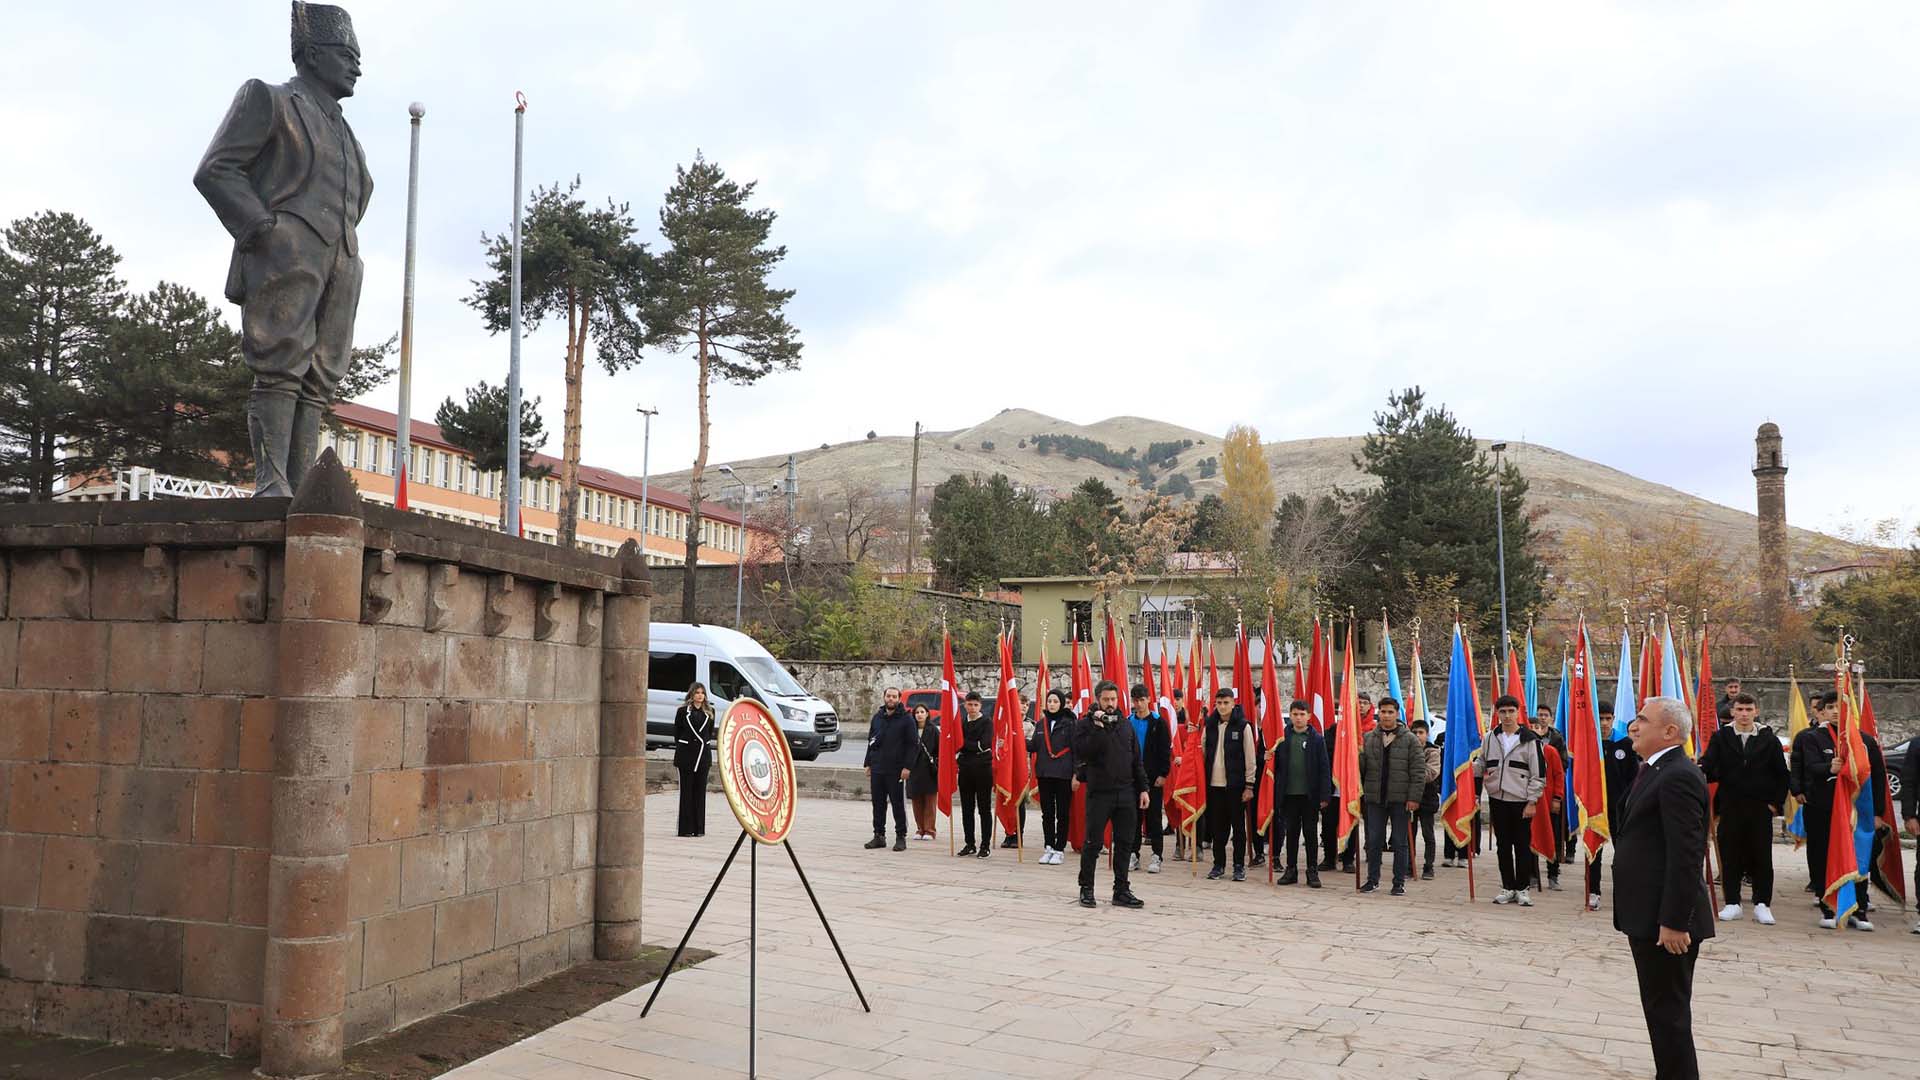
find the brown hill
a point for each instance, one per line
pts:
(1572, 490)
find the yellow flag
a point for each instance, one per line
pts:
(1797, 722)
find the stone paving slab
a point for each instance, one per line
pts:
(988, 968)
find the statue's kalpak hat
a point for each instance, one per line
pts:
(322, 24)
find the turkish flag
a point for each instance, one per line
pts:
(1541, 834)
(949, 726)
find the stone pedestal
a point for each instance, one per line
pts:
(281, 775)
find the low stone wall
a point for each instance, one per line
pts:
(280, 775)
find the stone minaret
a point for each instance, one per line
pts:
(1770, 485)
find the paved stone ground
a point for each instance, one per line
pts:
(987, 968)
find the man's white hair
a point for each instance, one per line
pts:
(1672, 711)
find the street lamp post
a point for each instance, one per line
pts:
(740, 557)
(1500, 540)
(646, 447)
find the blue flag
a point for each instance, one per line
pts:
(1393, 675)
(1562, 710)
(1532, 676)
(1624, 703)
(1458, 798)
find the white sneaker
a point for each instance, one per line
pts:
(1506, 896)
(1861, 924)
(1916, 928)
(1762, 915)
(1730, 913)
(1593, 903)
(1827, 923)
(1133, 861)
(1153, 865)
(1054, 857)
(1523, 898)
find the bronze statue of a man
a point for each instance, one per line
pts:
(289, 181)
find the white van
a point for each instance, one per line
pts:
(733, 666)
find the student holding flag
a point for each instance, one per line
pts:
(1811, 778)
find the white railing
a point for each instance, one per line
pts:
(143, 483)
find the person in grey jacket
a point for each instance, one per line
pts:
(1512, 776)
(1393, 775)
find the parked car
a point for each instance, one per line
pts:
(930, 697)
(733, 666)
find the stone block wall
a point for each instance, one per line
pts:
(471, 831)
(136, 763)
(280, 775)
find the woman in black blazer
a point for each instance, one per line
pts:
(924, 784)
(695, 738)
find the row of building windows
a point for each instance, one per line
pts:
(455, 472)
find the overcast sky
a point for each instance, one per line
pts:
(1632, 233)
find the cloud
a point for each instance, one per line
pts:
(1629, 232)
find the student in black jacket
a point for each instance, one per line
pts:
(1052, 746)
(891, 738)
(1156, 757)
(1232, 757)
(1620, 764)
(976, 777)
(1810, 778)
(695, 738)
(1107, 763)
(1744, 758)
(1660, 896)
(924, 785)
(1910, 804)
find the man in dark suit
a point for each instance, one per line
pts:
(289, 181)
(892, 742)
(1660, 897)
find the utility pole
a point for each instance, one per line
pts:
(646, 450)
(793, 486)
(913, 499)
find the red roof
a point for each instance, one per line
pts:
(593, 476)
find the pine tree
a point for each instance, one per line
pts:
(480, 428)
(583, 265)
(983, 531)
(708, 291)
(168, 399)
(1432, 516)
(59, 306)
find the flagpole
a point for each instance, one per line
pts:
(403, 423)
(949, 696)
(1351, 730)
